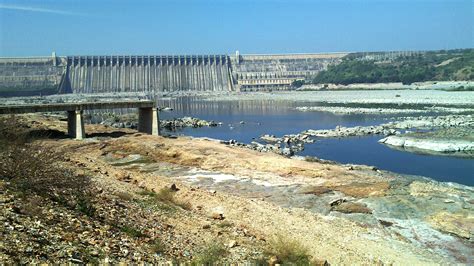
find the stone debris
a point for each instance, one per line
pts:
(392, 128)
(187, 122)
(131, 121)
(287, 145)
(232, 244)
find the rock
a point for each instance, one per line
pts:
(385, 223)
(316, 190)
(273, 260)
(459, 224)
(361, 190)
(217, 213)
(336, 202)
(351, 207)
(320, 263)
(122, 176)
(186, 122)
(206, 226)
(232, 244)
(142, 185)
(217, 216)
(434, 145)
(173, 187)
(287, 152)
(269, 138)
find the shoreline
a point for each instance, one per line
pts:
(426, 85)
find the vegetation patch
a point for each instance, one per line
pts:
(210, 254)
(165, 199)
(131, 231)
(224, 224)
(428, 66)
(33, 170)
(288, 252)
(157, 246)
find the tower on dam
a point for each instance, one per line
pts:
(153, 74)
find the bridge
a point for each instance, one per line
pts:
(148, 118)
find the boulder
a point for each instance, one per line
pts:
(351, 207)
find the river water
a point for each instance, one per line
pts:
(246, 121)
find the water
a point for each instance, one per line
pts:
(280, 118)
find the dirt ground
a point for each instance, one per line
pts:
(252, 222)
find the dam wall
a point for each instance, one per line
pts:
(92, 74)
(156, 74)
(30, 76)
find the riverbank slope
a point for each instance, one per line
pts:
(367, 215)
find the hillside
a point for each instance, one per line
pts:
(406, 67)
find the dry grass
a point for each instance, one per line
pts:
(166, 197)
(210, 254)
(33, 170)
(289, 251)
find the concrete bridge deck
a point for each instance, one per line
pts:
(56, 107)
(148, 119)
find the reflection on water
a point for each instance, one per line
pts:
(280, 118)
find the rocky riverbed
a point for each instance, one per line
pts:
(130, 121)
(395, 133)
(402, 123)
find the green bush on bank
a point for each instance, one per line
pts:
(430, 66)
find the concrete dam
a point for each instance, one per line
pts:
(155, 74)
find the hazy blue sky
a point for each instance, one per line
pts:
(80, 27)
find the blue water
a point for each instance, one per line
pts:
(280, 118)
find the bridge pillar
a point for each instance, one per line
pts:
(75, 124)
(149, 121)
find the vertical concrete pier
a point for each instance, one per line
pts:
(148, 121)
(75, 124)
(148, 114)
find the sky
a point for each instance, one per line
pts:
(154, 27)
